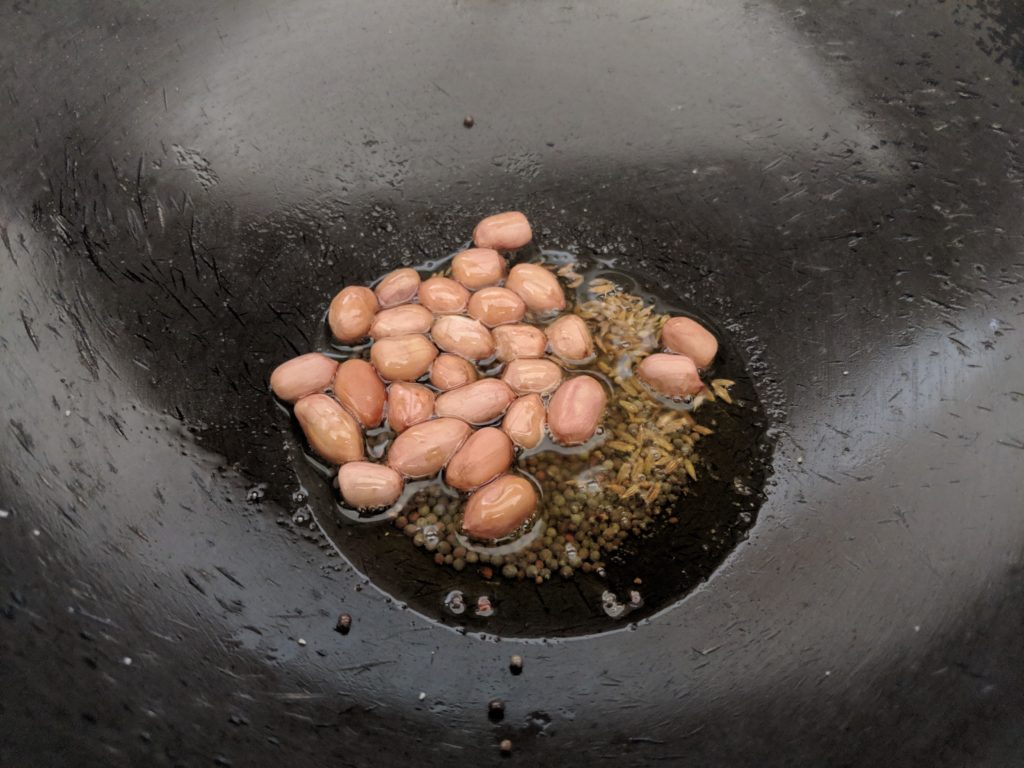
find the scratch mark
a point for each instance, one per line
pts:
(23, 437)
(230, 576)
(28, 329)
(364, 667)
(6, 240)
(961, 346)
(195, 584)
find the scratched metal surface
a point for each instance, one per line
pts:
(181, 190)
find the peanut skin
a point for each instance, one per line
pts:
(688, 337)
(570, 338)
(408, 404)
(403, 358)
(485, 455)
(443, 296)
(499, 508)
(451, 372)
(671, 375)
(477, 403)
(401, 321)
(302, 375)
(423, 449)
(331, 431)
(478, 268)
(538, 287)
(398, 287)
(351, 313)
(365, 485)
(463, 336)
(514, 341)
(496, 306)
(358, 387)
(503, 232)
(524, 421)
(575, 410)
(529, 376)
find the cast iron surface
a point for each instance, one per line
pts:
(183, 187)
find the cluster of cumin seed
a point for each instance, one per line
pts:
(655, 442)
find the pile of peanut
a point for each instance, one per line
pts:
(429, 340)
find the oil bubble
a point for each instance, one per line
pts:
(455, 602)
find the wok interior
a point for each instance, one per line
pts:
(173, 228)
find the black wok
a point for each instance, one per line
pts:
(184, 185)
